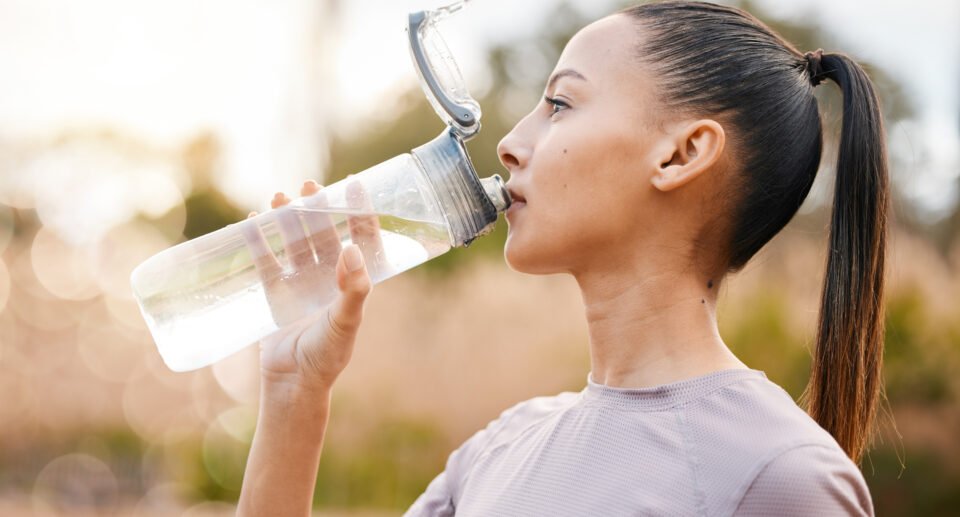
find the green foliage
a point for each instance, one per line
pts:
(917, 356)
(119, 448)
(393, 467)
(224, 462)
(207, 211)
(926, 486)
(762, 340)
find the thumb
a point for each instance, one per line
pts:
(355, 284)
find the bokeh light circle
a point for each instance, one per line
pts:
(239, 422)
(14, 375)
(74, 482)
(64, 270)
(112, 352)
(153, 409)
(121, 250)
(239, 375)
(224, 456)
(161, 499)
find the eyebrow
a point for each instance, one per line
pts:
(566, 72)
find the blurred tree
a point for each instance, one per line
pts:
(948, 230)
(207, 208)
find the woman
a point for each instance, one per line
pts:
(673, 141)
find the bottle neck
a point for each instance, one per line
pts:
(470, 206)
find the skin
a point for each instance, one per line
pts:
(643, 184)
(300, 363)
(617, 192)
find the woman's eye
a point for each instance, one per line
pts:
(556, 105)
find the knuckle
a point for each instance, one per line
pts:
(339, 330)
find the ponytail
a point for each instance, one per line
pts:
(845, 381)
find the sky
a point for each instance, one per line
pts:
(274, 79)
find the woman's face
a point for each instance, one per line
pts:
(581, 159)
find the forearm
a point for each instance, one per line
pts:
(282, 465)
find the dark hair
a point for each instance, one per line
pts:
(721, 61)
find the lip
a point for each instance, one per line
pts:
(516, 195)
(514, 207)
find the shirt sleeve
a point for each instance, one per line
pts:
(436, 500)
(443, 493)
(441, 496)
(808, 480)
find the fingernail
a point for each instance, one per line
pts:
(353, 258)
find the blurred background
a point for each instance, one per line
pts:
(126, 127)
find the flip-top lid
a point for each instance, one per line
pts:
(439, 75)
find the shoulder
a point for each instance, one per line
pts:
(756, 446)
(513, 422)
(756, 415)
(807, 480)
(532, 410)
(443, 494)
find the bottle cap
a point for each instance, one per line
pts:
(439, 75)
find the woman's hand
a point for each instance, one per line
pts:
(319, 322)
(301, 361)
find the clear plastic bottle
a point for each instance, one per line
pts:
(209, 297)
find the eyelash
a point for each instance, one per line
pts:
(557, 105)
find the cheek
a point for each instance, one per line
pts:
(581, 159)
(551, 238)
(584, 187)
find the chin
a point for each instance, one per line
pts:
(523, 260)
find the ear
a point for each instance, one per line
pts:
(693, 149)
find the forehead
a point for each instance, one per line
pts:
(605, 53)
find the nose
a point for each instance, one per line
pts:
(513, 151)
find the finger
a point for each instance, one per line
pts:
(364, 229)
(343, 317)
(263, 258)
(279, 199)
(321, 230)
(309, 188)
(295, 245)
(355, 284)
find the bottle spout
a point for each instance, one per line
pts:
(495, 189)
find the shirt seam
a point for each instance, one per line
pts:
(692, 460)
(677, 404)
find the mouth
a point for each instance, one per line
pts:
(518, 201)
(514, 208)
(516, 196)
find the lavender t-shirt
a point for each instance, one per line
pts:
(728, 443)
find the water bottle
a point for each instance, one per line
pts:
(211, 296)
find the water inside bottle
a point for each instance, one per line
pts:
(264, 273)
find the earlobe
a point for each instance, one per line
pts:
(695, 149)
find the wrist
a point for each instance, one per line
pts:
(283, 401)
(284, 385)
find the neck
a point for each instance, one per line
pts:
(656, 330)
